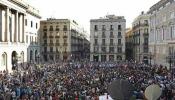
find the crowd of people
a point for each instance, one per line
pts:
(82, 80)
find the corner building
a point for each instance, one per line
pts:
(107, 38)
(62, 40)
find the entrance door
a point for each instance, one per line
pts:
(96, 58)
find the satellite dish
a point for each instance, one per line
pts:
(120, 89)
(153, 92)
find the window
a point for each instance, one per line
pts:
(146, 41)
(103, 27)
(36, 25)
(95, 27)
(51, 49)
(103, 49)
(103, 35)
(146, 22)
(26, 22)
(31, 24)
(65, 28)
(57, 41)
(103, 42)
(119, 27)
(57, 28)
(119, 34)
(119, 41)
(51, 41)
(96, 41)
(111, 49)
(111, 42)
(45, 41)
(45, 49)
(111, 35)
(51, 28)
(95, 49)
(119, 50)
(111, 27)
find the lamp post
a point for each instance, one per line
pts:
(169, 58)
(150, 58)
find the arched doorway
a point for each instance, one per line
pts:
(14, 60)
(145, 59)
(4, 60)
(119, 58)
(31, 55)
(36, 54)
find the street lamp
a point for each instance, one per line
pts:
(150, 58)
(170, 59)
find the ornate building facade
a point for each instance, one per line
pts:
(14, 32)
(162, 32)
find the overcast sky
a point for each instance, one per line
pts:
(84, 10)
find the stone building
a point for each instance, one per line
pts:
(107, 38)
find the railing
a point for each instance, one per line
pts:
(44, 29)
(64, 36)
(57, 44)
(119, 36)
(57, 36)
(50, 36)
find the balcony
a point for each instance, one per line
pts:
(57, 36)
(65, 44)
(111, 36)
(57, 44)
(51, 36)
(103, 29)
(64, 36)
(51, 29)
(44, 29)
(95, 29)
(64, 29)
(120, 44)
(111, 29)
(103, 36)
(119, 29)
(119, 36)
(51, 44)
(57, 29)
(111, 44)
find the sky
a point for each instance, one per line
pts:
(83, 10)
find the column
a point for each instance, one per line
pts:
(7, 26)
(1, 28)
(19, 32)
(23, 29)
(16, 26)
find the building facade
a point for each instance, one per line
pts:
(129, 44)
(140, 28)
(13, 32)
(107, 38)
(61, 39)
(162, 32)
